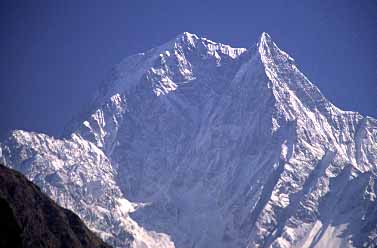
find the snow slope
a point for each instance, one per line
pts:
(198, 144)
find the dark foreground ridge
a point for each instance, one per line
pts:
(30, 219)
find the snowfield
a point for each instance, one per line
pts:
(199, 144)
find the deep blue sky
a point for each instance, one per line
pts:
(55, 53)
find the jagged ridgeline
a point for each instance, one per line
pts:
(199, 144)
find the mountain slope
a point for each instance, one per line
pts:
(31, 219)
(214, 146)
(78, 176)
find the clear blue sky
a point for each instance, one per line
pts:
(55, 53)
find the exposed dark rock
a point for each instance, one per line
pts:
(31, 219)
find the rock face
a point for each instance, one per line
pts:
(198, 144)
(31, 219)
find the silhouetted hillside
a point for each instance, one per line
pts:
(30, 219)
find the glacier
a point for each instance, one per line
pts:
(198, 144)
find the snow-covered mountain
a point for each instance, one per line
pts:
(198, 144)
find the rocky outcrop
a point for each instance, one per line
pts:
(31, 219)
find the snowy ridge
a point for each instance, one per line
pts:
(198, 144)
(169, 63)
(79, 176)
(102, 126)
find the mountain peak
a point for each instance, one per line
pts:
(190, 39)
(187, 37)
(266, 46)
(270, 53)
(289, 82)
(265, 37)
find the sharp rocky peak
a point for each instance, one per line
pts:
(270, 52)
(193, 41)
(189, 57)
(290, 86)
(187, 37)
